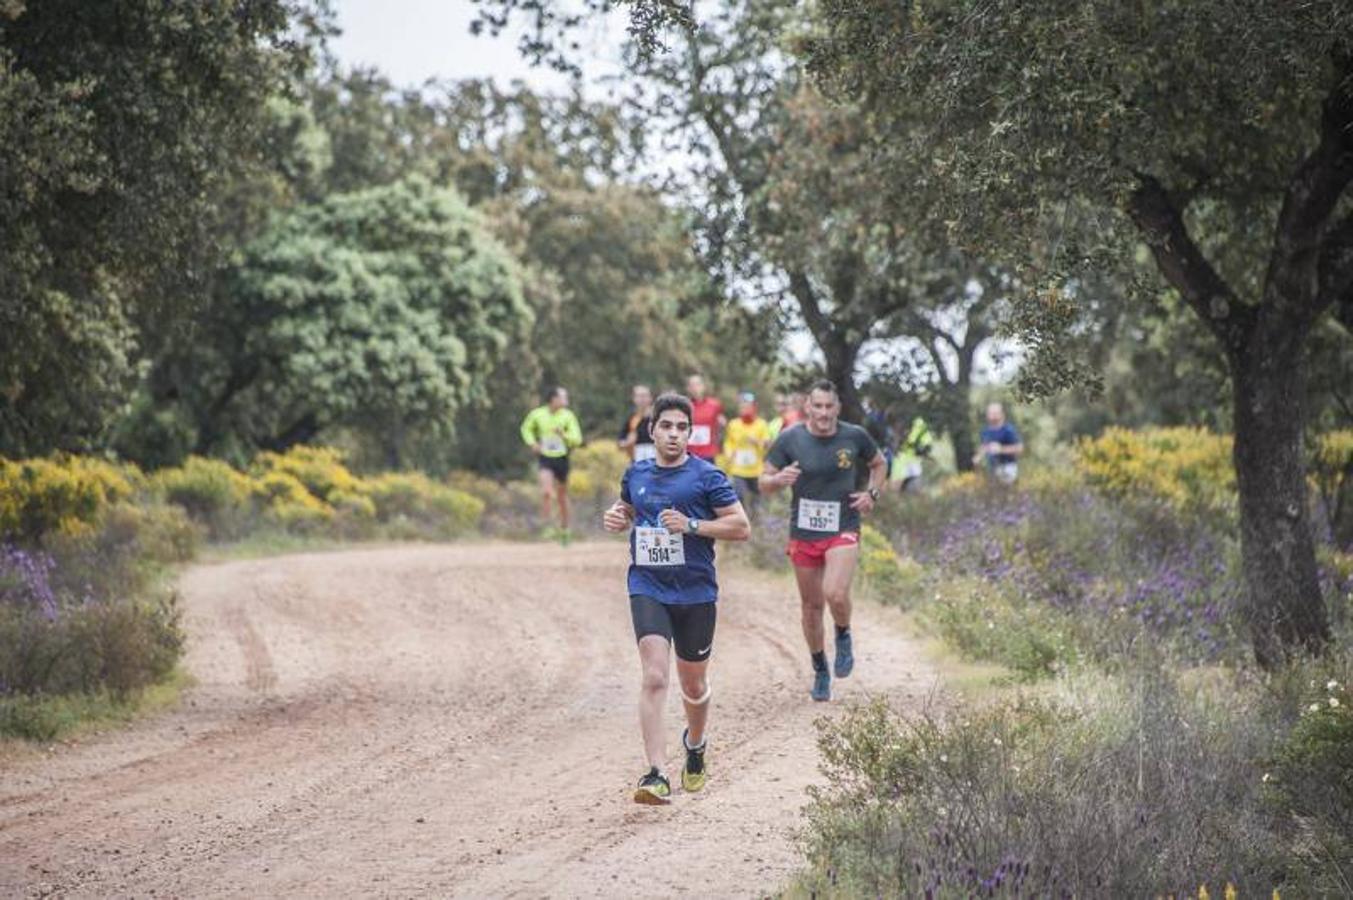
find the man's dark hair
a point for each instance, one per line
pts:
(825, 384)
(672, 400)
(553, 391)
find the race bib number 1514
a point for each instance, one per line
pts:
(658, 547)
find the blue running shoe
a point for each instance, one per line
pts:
(822, 686)
(845, 656)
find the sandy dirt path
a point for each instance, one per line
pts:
(437, 720)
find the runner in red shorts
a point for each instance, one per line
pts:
(821, 462)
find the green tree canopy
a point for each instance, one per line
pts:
(119, 123)
(1218, 133)
(382, 310)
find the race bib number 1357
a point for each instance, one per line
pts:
(819, 515)
(658, 547)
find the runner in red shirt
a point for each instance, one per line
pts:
(708, 420)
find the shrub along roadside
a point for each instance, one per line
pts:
(1149, 759)
(1133, 787)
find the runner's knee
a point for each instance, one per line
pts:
(838, 597)
(811, 603)
(655, 680)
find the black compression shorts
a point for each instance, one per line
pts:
(688, 627)
(556, 465)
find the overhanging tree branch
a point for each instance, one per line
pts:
(1183, 264)
(1303, 242)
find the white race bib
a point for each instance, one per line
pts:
(744, 458)
(645, 451)
(552, 444)
(820, 515)
(700, 435)
(658, 547)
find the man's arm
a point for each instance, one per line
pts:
(730, 523)
(619, 517)
(528, 431)
(772, 479)
(878, 476)
(573, 432)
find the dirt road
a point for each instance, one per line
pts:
(436, 720)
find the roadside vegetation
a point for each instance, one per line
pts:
(1133, 748)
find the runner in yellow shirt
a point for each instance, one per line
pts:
(746, 440)
(552, 431)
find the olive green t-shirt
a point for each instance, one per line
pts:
(830, 466)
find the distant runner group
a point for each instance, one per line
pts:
(675, 502)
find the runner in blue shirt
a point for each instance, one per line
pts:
(1001, 446)
(678, 505)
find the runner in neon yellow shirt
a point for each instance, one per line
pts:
(746, 440)
(552, 431)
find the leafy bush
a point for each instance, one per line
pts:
(62, 638)
(883, 573)
(1188, 468)
(1128, 788)
(595, 470)
(984, 623)
(1311, 784)
(319, 469)
(436, 509)
(1332, 473)
(211, 491)
(1100, 571)
(60, 494)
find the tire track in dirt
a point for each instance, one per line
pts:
(437, 720)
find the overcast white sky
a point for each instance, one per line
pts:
(414, 40)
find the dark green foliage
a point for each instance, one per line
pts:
(119, 124)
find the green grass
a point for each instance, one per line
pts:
(62, 717)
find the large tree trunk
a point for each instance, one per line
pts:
(1283, 603)
(841, 362)
(964, 445)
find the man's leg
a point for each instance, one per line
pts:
(836, 578)
(654, 655)
(546, 480)
(693, 639)
(694, 686)
(811, 604)
(561, 492)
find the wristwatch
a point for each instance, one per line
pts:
(693, 526)
(873, 493)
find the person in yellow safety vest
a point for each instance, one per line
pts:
(552, 431)
(746, 440)
(906, 471)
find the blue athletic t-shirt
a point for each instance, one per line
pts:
(695, 488)
(1005, 435)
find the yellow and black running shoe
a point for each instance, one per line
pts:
(693, 773)
(653, 789)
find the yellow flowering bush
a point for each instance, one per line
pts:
(1332, 473)
(287, 502)
(320, 469)
(210, 490)
(883, 571)
(1188, 468)
(595, 469)
(414, 497)
(65, 494)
